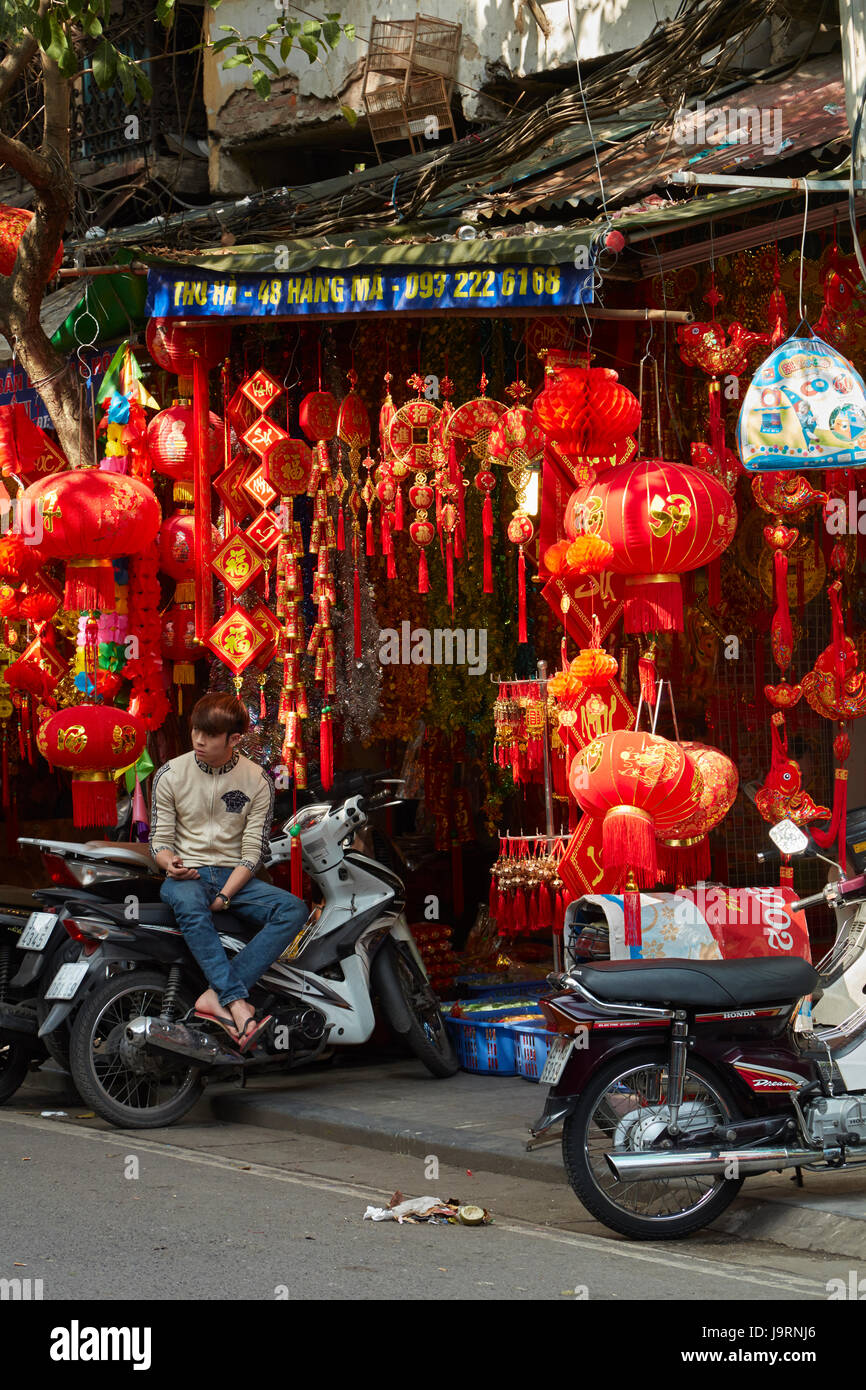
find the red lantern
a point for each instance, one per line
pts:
(641, 786)
(87, 740)
(586, 410)
(179, 644)
(170, 437)
(18, 561)
(318, 414)
(174, 344)
(39, 668)
(88, 516)
(686, 858)
(177, 552)
(13, 224)
(661, 519)
(39, 599)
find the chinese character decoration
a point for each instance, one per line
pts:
(517, 443)
(261, 437)
(353, 429)
(412, 437)
(318, 416)
(387, 411)
(471, 426)
(290, 468)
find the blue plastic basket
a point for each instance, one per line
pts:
(531, 1046)
(468, 983)
(483, 1047)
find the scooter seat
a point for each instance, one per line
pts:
(698, 984)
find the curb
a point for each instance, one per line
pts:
(379, 1132)
(796, 1226)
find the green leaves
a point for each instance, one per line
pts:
(310, 46)
(104, 65)
(262, 84)
(165, 12)
(349, 114)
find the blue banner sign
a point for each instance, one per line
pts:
(194, 293)
(15, 386)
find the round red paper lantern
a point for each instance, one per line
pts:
(686, 856)
(174, 344)
(318, 414)
(13, 224)
(87, 740)
(170, 442)
(661, 519)
(177, 549)
(639, 785)
(18, 561)
(586, 410)
(179, 644)
(87, 517)
(515, 438)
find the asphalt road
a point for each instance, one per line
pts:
(99, 1214)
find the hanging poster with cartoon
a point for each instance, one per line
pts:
(805, 408)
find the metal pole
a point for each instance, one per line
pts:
(691, 179)
(548, 793)
(852, 28)
(202, 503)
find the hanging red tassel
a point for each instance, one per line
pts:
(492, 896)
(631, 914)
(398, 509)
(628, 841)
(559, 912)
(449, 571)
(387, 543)
(801, 590)
(714, 582)
(423, 576)
(370, 536)
(521, 597)
(263, 709)
(341, 530)
(646, 667)
(487, 532)
(391, 572)
(296, 863)
(4, 769)
(356, 613)
(326, 750)
(519, 908)
(21, 752)
(457, 877)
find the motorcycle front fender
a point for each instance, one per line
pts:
(60, 1011)
(402, 932)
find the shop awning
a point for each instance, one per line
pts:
(321, 277)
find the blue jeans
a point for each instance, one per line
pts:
(280, 915)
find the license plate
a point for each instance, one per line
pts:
(67, 980)
(560, 1050)
(35, 935)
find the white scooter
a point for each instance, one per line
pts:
(137, 1054)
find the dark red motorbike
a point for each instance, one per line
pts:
(674, 1080)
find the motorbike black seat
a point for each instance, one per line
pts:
(699, 984)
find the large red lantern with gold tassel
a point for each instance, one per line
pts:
(89, 741)
(661, 519)
(13, 224)
(87, 517)
(685, 858)
(640, 786)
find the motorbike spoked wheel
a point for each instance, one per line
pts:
(14, 1062)
(621, 1110)
(427, 1037)
(153, 1093)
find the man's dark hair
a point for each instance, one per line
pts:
(220, 714)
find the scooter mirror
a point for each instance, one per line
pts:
(788, 837)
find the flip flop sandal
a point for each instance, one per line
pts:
(226, 1022)
(251, 1031)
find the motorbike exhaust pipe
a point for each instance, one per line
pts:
(638, 1167)
(173, 1039)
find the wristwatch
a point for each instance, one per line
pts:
(225, 899)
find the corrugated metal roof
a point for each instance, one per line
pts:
(759, 125)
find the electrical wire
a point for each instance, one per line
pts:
(852, 216)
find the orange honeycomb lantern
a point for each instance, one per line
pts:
(585, 410)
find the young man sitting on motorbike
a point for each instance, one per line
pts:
(211, 817)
